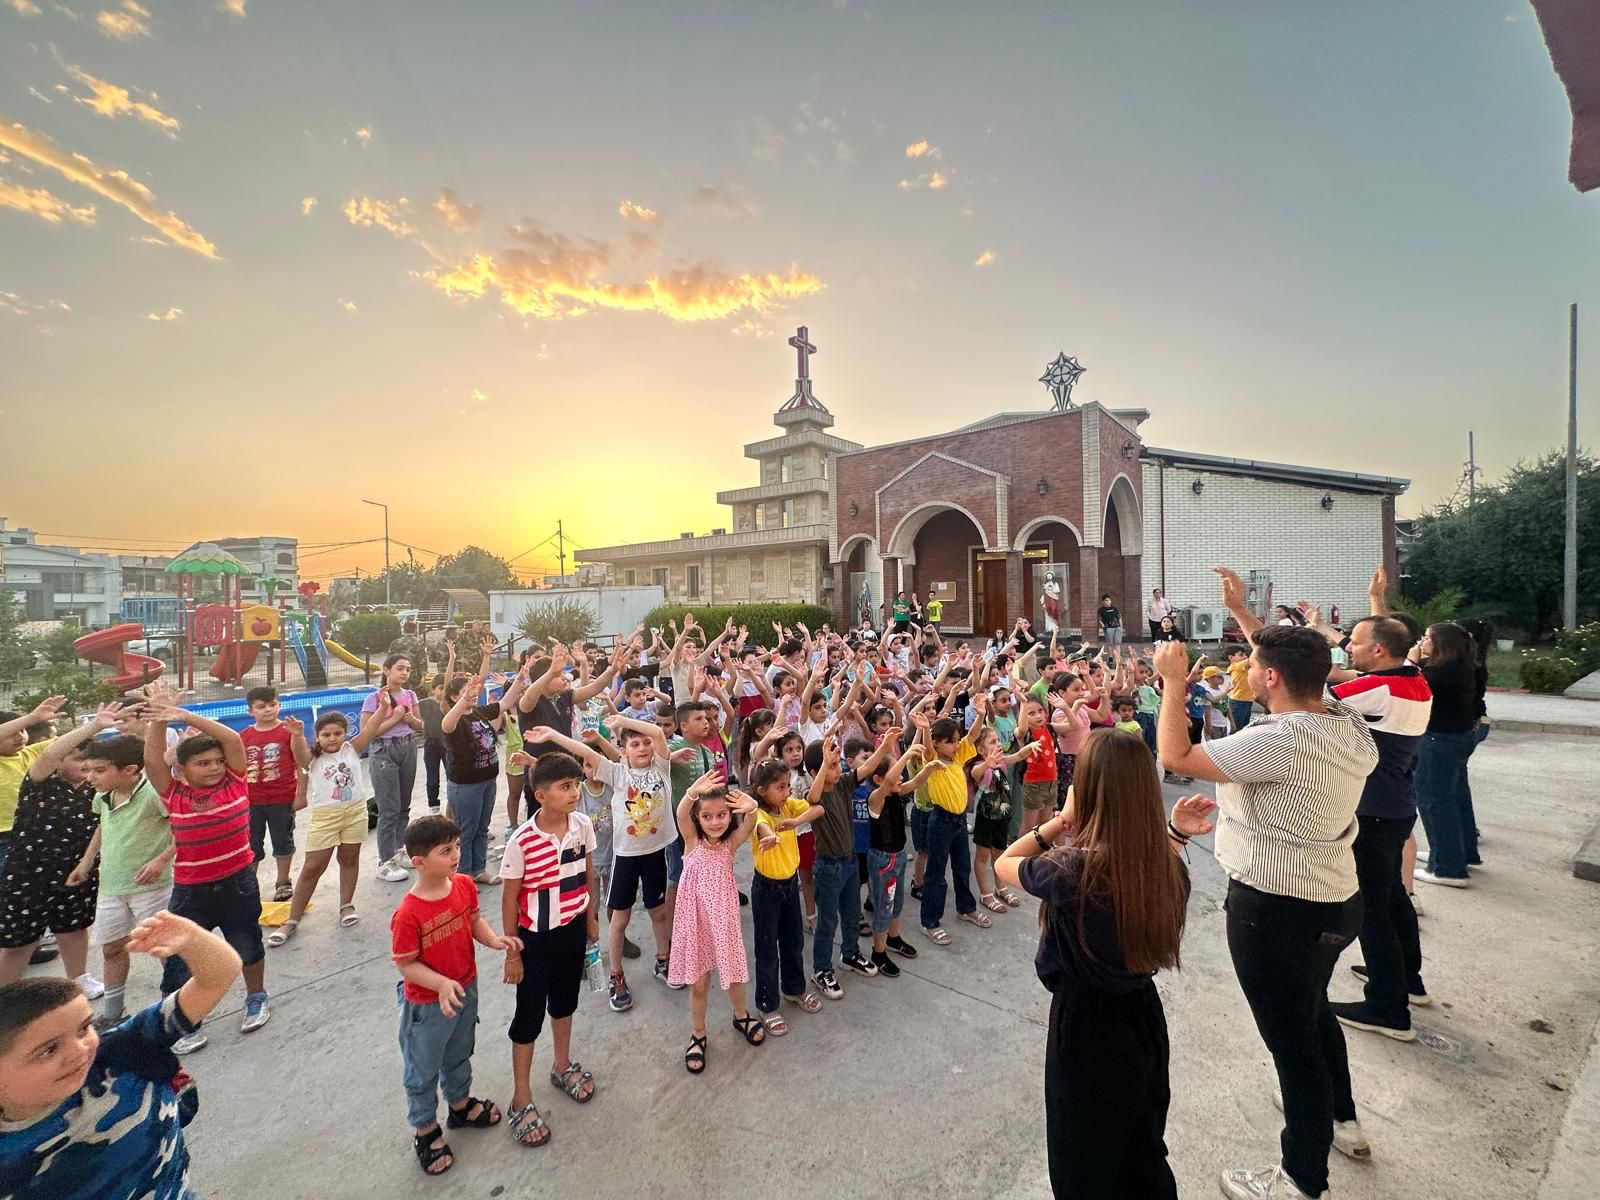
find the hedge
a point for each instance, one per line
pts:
(757, 617)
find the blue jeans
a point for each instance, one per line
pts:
(1147, 727)
(675, 860)
(393, 763)
(780, 935)
(232, 906)
(1442, 800)
(919, 829)
(1469, 831)
(471, 806)
(886, 872)
(947, 846)
(435, 1052)
(1240, 710)
(838, 903)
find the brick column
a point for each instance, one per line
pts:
(1018, 602)
(891, 585)
(1087, 588)
(843, 601)
(1134, 627)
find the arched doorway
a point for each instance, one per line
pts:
(943, 554)
(1121, 554)
(863, 581)
(1049, 548)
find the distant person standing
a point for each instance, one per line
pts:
(1158, 610)
(1448, 663)
(900, 612)
(935, 612)
(1110, 620)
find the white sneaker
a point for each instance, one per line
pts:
(1416, 904)
(1423, 875)
(91, 987)
(1268, 1183)
(189, 1043)
(390, 873)
(1348, 1139)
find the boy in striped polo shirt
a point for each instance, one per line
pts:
(213, 874)
(551, 905)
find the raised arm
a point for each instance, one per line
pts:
(1172, 724)
(1378, 592)
(619, 723)
(465, 702)
(58, 750)
(45, 710)
(374, 725)
(547, 682)
(579, 750)
(1233, 599)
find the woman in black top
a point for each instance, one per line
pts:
(1448, 664)
(1113, 909)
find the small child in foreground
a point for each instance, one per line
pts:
(103, 1116)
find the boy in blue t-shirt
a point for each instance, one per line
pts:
(87, 1115)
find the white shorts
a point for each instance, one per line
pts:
(116, 916)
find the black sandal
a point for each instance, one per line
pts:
(571, 1082)
(694, 1058)
(488, 1115)
(430, 1148)
(751, 1027)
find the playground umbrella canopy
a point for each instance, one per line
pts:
(205, 559)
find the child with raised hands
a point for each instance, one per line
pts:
(887, 858)
(338, 804)
(990, 770)
(775, 902)
(714, 821)
(97, 1115)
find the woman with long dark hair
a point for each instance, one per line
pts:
(1449, 664)
(1114, 899)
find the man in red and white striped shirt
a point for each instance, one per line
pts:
(213, 875)
(551, 904)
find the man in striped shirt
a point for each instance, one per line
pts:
(213, 873)
(1288, 787)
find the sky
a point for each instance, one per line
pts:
(503, 264)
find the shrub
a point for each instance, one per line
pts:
(561, 620)
(757, 617)
(82, 692)
(1549, 673)
(1442, 606)
(1581, 645)
(369, 633)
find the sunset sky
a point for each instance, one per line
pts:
(502, 263)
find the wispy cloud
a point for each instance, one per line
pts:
(629, 211)
(130, 19)
(551, 275)
(40, 96)
(42, 203)
(172, 314)
(754, 330)
(933, 181)
(111, 100)
(234, 8)
(456, 213)
(367, 210)
(363, 135)
(25, 8)
(107, 182)
(14, 304)
(308, 205)
(727, 201)
(924, 150)
(984, 259)
(478, 396)
(348, 305)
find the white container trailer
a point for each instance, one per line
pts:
(617, 609)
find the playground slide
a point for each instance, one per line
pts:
(234, 661)
(311, 666)
(344, 655)
(109, 646)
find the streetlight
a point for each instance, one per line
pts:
(388, 582)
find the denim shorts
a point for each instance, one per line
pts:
(277, 818)
(231, 905)
(886, 872)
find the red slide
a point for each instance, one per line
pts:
(109, 646)
(234, 661)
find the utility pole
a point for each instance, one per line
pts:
(388, 582)
(561, 550)
(1472, 471)
(1569, 566)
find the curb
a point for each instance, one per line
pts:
(1511, 725)
(1587, 863)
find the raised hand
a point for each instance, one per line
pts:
(710, 779)
(1232, 588)
(1190, 813)
(295, 726)
(47, 708)
(163, 935)
(1171, 661)
(107, 715)
(742, 804)
(683, 754)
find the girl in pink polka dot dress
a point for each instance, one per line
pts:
(715, 822)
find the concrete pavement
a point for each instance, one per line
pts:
(932, 1083)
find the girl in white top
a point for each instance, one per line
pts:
(337, 795)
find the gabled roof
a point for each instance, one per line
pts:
(1349, 481)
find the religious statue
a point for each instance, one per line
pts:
(1051, 599)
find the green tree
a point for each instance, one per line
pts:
(368, 634)
(562, 620)
(474, 567)
(1504, 553)
(15, 655)
(56, 646)
(82, 692)
(403, 584)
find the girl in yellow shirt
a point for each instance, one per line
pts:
(775, 895)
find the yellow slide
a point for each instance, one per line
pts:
(344, 655)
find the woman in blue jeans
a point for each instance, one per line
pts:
(1443, 799)
(472, 766)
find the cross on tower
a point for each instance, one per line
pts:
(803, 352)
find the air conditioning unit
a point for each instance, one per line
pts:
(1204, 624)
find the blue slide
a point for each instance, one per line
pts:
(313, 661)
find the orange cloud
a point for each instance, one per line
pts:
(364, 210)
(348, 305)
(42, 204)
(923, 150)
(364, 135)
(172, 314)
(984, 259)
(233, 8)
(456, 213)
(308, 205)
(553, 276)
(629, 211)
(110, 100)
(934, 181)
(128, 20)
(24, 8)
(107, 182)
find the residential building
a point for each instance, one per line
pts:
(59, 583)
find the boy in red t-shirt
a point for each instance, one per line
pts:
(275, 752)
(213, 873)
(432, 936)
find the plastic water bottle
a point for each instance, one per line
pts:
(594, 968)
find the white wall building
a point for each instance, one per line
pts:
(59, 583)
(1315, 534)
(617, 609)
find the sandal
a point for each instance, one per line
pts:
(527, 1120)
(487, 880)
(937, 935)
(754, 1031)
(348, 915)
(1010, 897)
(993, 905)
(981, 920)
(810, 1002)
(487, 1117)
(430, 1147)
(283, 933)
(694, 1058)
(775, 1023)
(572, 1081)
(283, 891)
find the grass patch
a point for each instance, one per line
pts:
(1505, 668)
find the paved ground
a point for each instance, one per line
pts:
(1526, 712)
(931, 1083)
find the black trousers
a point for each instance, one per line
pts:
(1389, 939)
(1283, 951)
(1106, 1095)
(432, 757)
